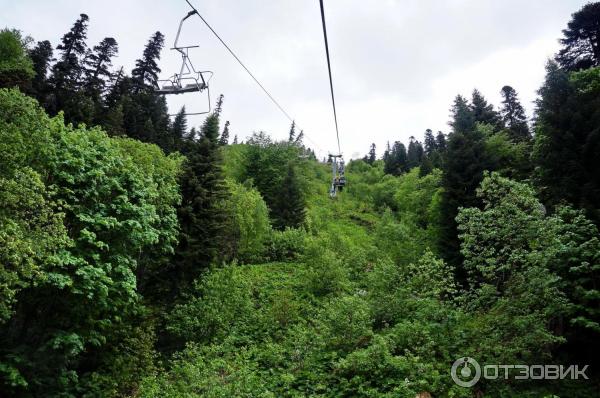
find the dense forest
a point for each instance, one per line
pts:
(142, 257)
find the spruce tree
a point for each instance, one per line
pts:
(464, 164)
(219, 107)
(145, 73)
(567, 141)
(67, 71)
(399, 159)
(299, 138)
(440, 142)
(581, 40)
(430, 144)
(513, 115)
(42, 57)
(372, 154)
(235, 140)
(292, 133)
(387, 155)
(463, 119)
(289, 207)
(179, 129)
(201, 217)
(415, 153)
(224, 140)
(484, 112)
(96, 67)
(67, 74)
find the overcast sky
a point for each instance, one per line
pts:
(397, 65)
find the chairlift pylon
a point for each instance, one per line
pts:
(188, 80)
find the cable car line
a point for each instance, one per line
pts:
(338, 179)
(287, 115)
(240, 62)
(337, 132)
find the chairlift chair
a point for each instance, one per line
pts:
(338, 181)
(188, 80)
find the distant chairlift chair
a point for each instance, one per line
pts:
(338, 178)
(188, 80)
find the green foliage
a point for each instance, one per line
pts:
(581, 40)
(509, 158)
(567, 139)
(249, 227)
(31, 232)
(125, 272)
(289, 207)
(202, 216)
(326, 273)
(16, 68)
(98, 205)
(286, 245)
(510, 251)
(270, 166)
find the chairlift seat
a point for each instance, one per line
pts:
(188, 88)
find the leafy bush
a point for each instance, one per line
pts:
(285, 245)
(249, 226)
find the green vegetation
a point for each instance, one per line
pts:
(141, 258)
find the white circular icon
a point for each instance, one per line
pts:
(466, 377)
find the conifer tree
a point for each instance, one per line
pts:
(440, 142)
(201, 217)
(219, 107)
(224, 140)
(292, 133)
(386, 159)
(430, 144)
(179, 129)
(484, 112)
(42, 57)
(67, 71)
(289, 207)
(567, 141)
(399, 159)
(415, 153)
(235, 140)
(581, 40)
(372, 154)
(299, 138)
(463, 119)
(96, 66)
(464, 164)
(513, 115)
(145, 73)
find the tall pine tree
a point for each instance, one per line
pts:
(513, 115)
(372, 154)
(96, 67)
(581, 40)
(224, 140)
(567, 141)
(42, 57)
(289, 207)
(145, 73)
(483, 112)
(201, 216)
(414, 153)
(464, 164)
